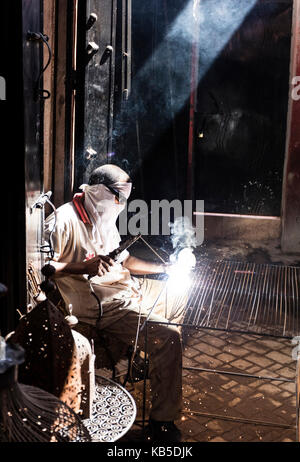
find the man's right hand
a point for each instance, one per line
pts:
(98, 266)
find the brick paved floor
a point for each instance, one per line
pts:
(229, 396)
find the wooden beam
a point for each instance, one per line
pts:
(60, 102)
(290, 238)
(49, 30)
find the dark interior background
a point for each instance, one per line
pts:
(242, 110)
(240, 126)
(21, 137)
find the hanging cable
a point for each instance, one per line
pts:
(41, 93)
(39, 204)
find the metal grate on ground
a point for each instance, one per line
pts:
(250, 297)
(260, 300)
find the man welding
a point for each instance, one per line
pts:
(83, 232)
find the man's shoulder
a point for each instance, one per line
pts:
(65, 213)
(67, 208)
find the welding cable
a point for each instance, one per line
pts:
(42, 93)
(135, 345)
(93, 293)
(129, 375)
(50, 247)
(154, 305)
(138, 330)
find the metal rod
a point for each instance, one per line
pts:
(236, 331)
(240, 419)
(145, 242)
(199, 280)
(145, 377)
(154, 305)
(239, 374)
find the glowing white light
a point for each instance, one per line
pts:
(186, 259)
(179, 273)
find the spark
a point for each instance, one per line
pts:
(179, 273)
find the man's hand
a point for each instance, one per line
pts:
(98, 266)
(137, 266)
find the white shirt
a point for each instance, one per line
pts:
(72, 241)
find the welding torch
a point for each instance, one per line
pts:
(114, 256)
(123, 246)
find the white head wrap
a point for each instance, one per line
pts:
(103, 210)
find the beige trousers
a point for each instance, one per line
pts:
(164, 345)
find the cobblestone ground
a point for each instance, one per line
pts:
(232, 396)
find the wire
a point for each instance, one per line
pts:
(97, 299)
(49, 246)
(151, 248)
(139, 328)
(136, 342)
(42, 93)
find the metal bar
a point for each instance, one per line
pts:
(225, 294)
(265, 298)
(270, 311)
(200, 281)
(285, 300)
(256, 294)
(246, 298)
(239, 374)
(145, 377)
(297, 295)
(260, 296)
(277, 296)
(215, 289)
(151, 248)
(265, 294)
(204, 295)
(237, 291)
(236, 331)
(297, 400)
(293, 307)
(226, 215)
(154, 305)
(240, 420)
(280, 309)
(221, 281)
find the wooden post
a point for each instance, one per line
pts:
(49, 30)
(290, 239)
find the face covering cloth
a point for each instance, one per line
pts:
(103, 208)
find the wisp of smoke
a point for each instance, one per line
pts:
(183, 234)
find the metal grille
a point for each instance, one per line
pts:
(249, 297)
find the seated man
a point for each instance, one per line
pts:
(83, 232)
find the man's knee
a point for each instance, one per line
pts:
(172, 335)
